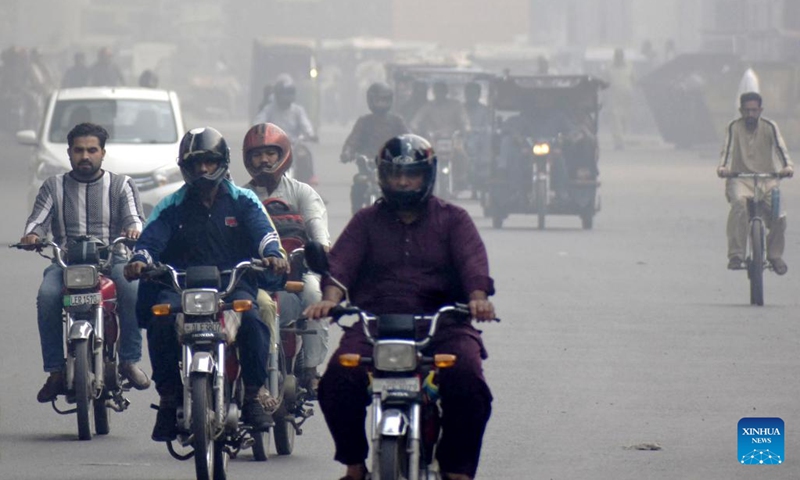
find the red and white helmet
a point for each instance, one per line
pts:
(267, 135)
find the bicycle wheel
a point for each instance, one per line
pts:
(755, 267)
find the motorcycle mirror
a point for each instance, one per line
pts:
(316, 258)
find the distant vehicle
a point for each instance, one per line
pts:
(144, 126)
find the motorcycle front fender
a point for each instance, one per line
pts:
(202, 362)
(80, 330)
(394, 423)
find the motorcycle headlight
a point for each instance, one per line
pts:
(541, 149)
(199, 302)
(80, 276)
(395, 356)
(167, 174)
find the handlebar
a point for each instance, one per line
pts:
(459, 309)
(58, 252)
(754, 175)
(154, 271)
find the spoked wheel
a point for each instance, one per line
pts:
(284, 431)
(83, 389)
(203, 440)
(392, 458)
(755, 267)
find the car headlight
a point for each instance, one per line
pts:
(199, 302)
(80, 276)
(167, 174)
(47, 169)
(541, 149)
(395, 356)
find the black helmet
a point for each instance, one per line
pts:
(406, 153)
(379, 97)
(203, 143)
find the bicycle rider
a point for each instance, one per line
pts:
(753, 144)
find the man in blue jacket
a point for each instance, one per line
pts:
(209, 221)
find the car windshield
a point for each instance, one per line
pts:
(127, 121)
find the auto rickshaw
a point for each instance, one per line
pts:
(459, 149)
(544, 148)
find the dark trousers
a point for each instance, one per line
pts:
(165, 351)
(465, 396)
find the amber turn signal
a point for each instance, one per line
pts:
(349, 359)
(444, 360)
(242, 305)
(161, 310)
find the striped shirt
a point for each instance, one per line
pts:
(69, 208)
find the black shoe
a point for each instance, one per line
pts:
(735, 263)
(166, 427)
(253, 414)
(52, 388)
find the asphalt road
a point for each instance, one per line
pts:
(632, 335)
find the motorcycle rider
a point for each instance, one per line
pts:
(292, 119)
(85, 201)
(369, 134)
(442, 115)
(208, 221)
(417, 99)
(753, 144)
(104, 72)
(78, 74)
(411, 252)
(267, 155)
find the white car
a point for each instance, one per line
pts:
(144, 126)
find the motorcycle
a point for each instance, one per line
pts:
(446, 147)
(93, 381)
(404, 425)
(303, 161)
(213, 391)
(367, 176)
(284, 366)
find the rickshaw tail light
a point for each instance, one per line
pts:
(349, 360)
(541, 149)
(161, 310)
(444, 360)
(242, 305)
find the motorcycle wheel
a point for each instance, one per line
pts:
(83, 388)
(203, 443)
(541, 202)
(755, 268)
(260, 446)
(392, 458)
(221, 458)
(102, 425)
(284, 434)
(587, 221)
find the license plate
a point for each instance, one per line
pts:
(214, 327)
(83, 299)
(404, 384)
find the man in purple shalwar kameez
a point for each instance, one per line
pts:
(410, 253)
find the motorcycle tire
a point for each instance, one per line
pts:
(392, 458)
(260, 446)
(83, 388)
(284, 434)
(102, 425)
(202, 412)
(541, 203)
(221, 458)
(755, 268)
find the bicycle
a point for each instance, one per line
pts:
(756, 252)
